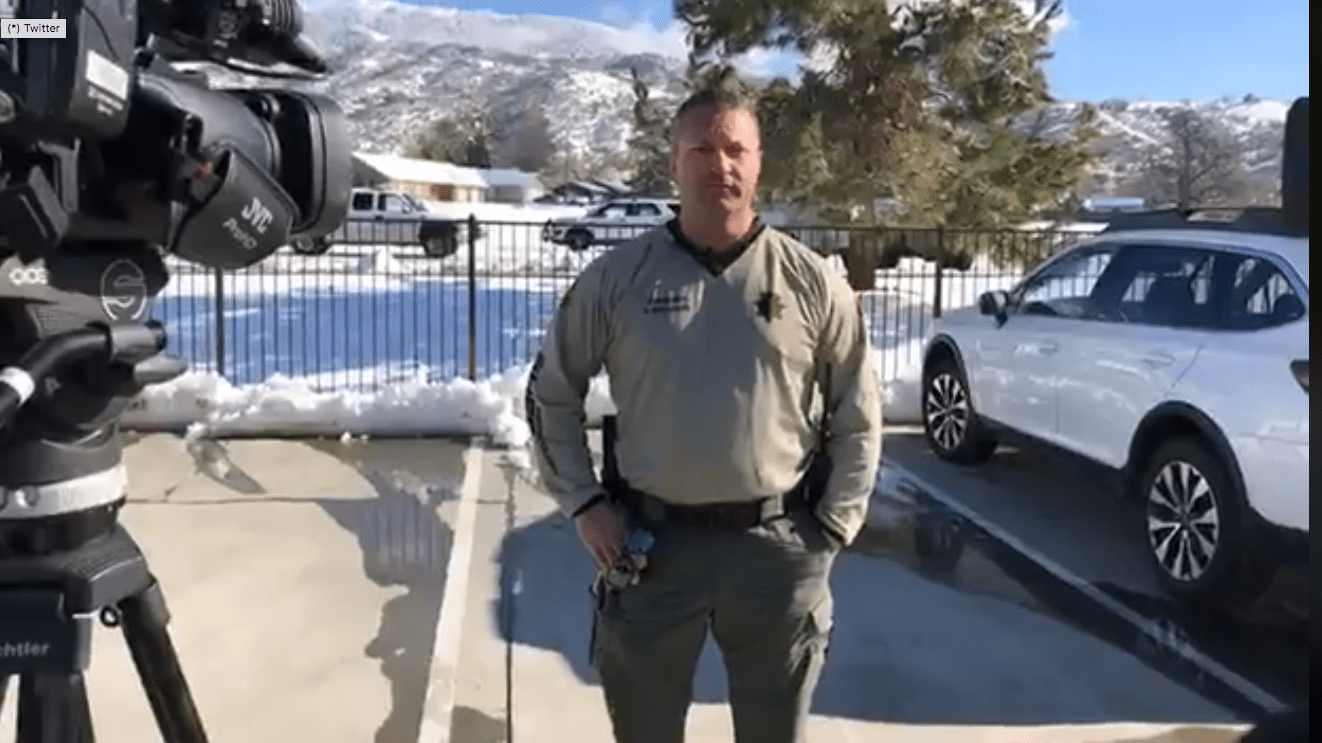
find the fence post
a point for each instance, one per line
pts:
(219, 311)
(937, 299)
(472, 297)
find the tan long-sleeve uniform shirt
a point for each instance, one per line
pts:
(714, 367)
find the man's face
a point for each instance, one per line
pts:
(717, 159)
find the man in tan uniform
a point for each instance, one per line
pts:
(717, 333)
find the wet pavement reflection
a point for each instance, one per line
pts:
(1266, 646)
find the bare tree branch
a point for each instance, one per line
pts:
(1200, 165)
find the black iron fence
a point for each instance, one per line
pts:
(372, 311)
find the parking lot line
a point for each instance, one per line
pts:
(442, 684)
(1150, 629)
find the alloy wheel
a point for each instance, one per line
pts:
(947, 411)
(1184, 526)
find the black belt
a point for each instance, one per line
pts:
(727, 515)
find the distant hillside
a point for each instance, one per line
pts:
(401, 66)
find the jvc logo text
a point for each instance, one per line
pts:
(258, 215)
(29, 276)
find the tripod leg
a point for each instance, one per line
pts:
(144, 617)
(53, 709)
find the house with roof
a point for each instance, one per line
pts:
(587, 191)
(424, 179)
(511, 185)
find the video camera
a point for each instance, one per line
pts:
(114, 151)
(110, 154)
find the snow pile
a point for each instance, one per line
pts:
(206, 404)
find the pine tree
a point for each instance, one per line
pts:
(933, 107)
(649, 146)
(988, 76)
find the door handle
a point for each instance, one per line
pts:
(1158, 358)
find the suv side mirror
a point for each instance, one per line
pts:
(994, 304)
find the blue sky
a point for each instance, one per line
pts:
(1152, 49)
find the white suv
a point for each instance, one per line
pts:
(611, 223)
(1172, 351)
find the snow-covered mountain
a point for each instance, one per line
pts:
(1127, 130)
(399, 66)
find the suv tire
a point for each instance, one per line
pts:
(310, 245)
(578, 240)
(950, 424)
(1196, 526)
(440, 246)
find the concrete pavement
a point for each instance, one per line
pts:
(304, 580)
(971, 657)
(307, 581)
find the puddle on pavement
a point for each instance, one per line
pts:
(913, 529)
(430, 469)
(213, 460)
(910, 530)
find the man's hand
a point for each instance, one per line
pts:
(602, 530)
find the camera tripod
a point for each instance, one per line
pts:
(61, 572)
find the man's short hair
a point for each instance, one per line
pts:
(723, 90)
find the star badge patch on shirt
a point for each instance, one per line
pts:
(769, 306)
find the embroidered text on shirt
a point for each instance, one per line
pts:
(663, 301)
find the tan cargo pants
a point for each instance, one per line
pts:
(763, 593)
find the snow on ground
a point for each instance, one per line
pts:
(365, 343)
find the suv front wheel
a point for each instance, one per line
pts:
(310, 245)
(950, 424)
(578, 239)
(1197, 526)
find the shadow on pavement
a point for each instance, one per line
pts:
(404, 543)
(955, 642)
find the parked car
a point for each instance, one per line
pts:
(1172, 350)
(379, 217)
(611, 223)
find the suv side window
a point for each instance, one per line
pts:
(644, 210)
(1065, 287)
(1258, 295)
(362, 201)
(1163, 285)
(612, 211)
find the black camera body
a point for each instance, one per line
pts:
(103, 139)
(113, 154)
